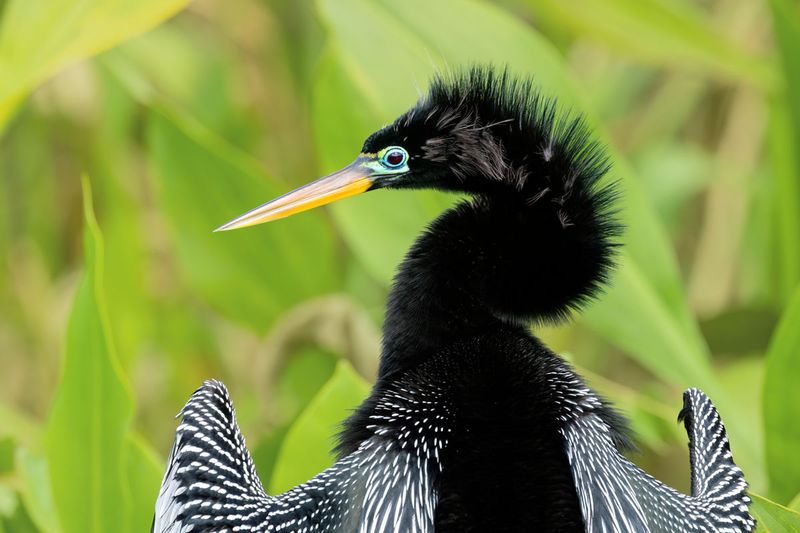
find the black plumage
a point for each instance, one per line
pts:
(473, 424)
(535, 240)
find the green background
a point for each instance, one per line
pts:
(130, 130)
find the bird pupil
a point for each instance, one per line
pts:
(394, 158)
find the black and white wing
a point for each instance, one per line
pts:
(616, 496)
(211, 484)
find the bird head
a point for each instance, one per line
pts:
(480, 131)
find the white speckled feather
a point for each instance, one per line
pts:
(211, 483)
(616, 496)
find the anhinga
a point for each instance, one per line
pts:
(473, 424)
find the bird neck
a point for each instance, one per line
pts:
(490, 262)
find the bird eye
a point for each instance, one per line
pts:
(394, 157)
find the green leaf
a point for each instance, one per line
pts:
(657, 32)
(17, 425)
(199, 75)
(672, 174)
(786, 25)
(785, 143)
(37, 494)
(144, 472)
(306, 449)
(781, 405)
(40, 37)
(302, 376)
(249, 275)
(31, 173)
(794, 505)
(631, 316)
(85, 438)
(119, 209)
(8, 502)
(7, 448)
(644, 311)
(265, 451)
(773, 518)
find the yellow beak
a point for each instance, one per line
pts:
(349, 181)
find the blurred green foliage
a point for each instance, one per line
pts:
(108, 323)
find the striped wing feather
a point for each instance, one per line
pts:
(211, 483)
(617, 496)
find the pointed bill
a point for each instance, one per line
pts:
(351, 180)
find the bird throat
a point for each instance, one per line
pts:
(439, 295)
(489, 263)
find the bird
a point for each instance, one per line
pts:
(473, 424)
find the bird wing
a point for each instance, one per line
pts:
(211, 483)
(617, 496)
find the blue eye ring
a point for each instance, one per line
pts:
(394, 157)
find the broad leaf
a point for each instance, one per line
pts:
(773, 518)
(658, 32)
(143, 472)
(249, 275)
(39, 37)
(303, 374)
(9, 503)
(306, 449)
(785, 145)
(85, 438)
(786, 24)
(117, 197)
(794, 505)
(36, 493)
(265, 451)
(781, 405)
(631, 316)
(198, 75)
(16, 425)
